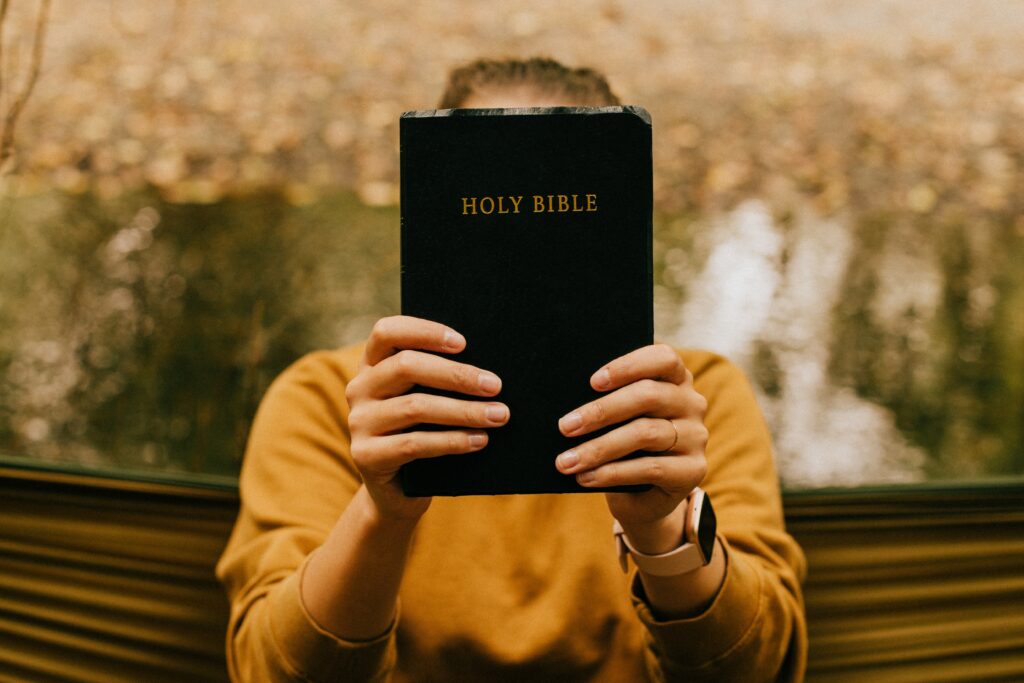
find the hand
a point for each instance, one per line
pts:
(652, 394)
(380, 410)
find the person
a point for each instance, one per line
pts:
(333, 574)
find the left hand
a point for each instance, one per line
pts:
(651, 392)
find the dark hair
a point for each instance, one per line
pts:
(583, 86)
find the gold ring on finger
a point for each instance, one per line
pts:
(675, 432)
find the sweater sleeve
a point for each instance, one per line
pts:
(755, 628)
(297, 478)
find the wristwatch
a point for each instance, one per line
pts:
(699, 528)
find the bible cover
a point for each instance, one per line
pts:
(528, 231)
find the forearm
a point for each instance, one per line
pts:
(684, 595)
(351, 582)
(752, 631)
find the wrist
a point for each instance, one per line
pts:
(379, 521)
(658, 536)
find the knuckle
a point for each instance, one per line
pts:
(407, 447)
(701, 468)
(358, 452)
(597, 412)
(650, 431)
(352, 389)
(656, 471)
(355, 420)
(365, 455)
(648, 393)
(382, 329)
(412, 407)
(404, 363)
(702, 404)
(666, 355)
(702, 435)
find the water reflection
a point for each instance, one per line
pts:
(772, 291)
(881, 350)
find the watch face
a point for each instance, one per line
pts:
(706, 527)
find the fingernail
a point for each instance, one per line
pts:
(489, 383)
(496, 413)
(477, 440)
(585, 477)
(452, 339)
(571, 422)
(602, 380)
(568, 459)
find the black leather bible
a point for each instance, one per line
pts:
(528, 231)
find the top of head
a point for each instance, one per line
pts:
(534, 82)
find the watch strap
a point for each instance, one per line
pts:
(681, 560)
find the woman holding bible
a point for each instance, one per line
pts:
(334, 574)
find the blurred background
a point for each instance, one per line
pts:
(192, 195)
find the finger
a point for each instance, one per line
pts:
(642, 434)
(407, 410)
(388, 453)
(392, 334)
(643, 397)
(658, 361)
(673, 473)
(398, 373)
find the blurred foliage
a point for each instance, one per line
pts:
(201, 192)
(953, 376)
(142, 333)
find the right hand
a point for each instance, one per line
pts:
(381, 412)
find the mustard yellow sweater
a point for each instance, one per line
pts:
(506, 588)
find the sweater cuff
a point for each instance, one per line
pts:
(723, 627)
(317, 654)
